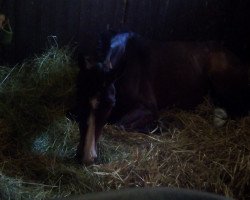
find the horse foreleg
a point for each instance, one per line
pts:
(140, 119)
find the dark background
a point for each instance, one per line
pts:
(74, 21)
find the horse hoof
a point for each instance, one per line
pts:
(220, 117)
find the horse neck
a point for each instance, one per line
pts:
(117, 49)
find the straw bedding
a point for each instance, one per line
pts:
(38, 143)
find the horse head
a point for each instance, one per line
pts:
(96, 96)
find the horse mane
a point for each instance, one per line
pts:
(103, 44)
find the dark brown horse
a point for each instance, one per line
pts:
(134, 78)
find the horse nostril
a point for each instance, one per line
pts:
(90, 161)
(90, 158)
(96, 160)
(85, 161)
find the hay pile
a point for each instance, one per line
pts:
(38, 142)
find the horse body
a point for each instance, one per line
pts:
(169, 77)
(139, 77)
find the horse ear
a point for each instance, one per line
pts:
(109, 65)
(114, 73)
(110, 77)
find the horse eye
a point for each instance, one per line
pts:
(94, 102)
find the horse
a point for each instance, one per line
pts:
(132, 78)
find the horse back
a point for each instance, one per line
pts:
(181, 73)
(185, 71)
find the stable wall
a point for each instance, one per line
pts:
(74, 21)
